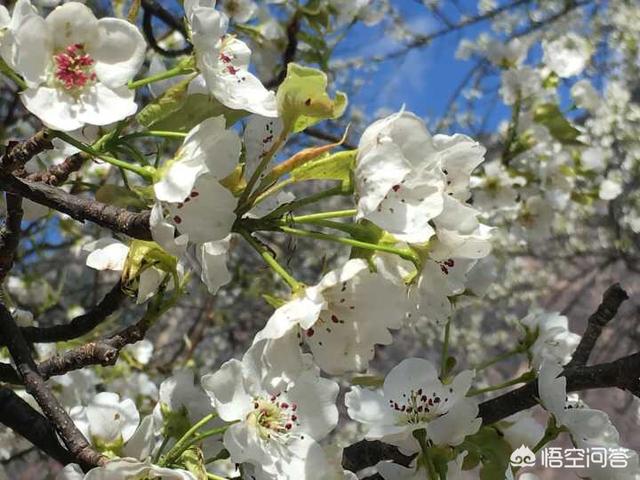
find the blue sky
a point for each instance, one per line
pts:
(425, 78)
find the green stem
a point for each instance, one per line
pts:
(350, 228)
(270, 191)
(405, 253)
(271, 261)
(499, 358)
(445, 349)
(142, 171)
(152, 133)
(244, 203)
(525, 377)
(296, 204)
(8, 72)
(324, 215)
(209, 433)
(183, 443)
(172, 72)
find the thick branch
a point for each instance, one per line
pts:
(23, 419)
(101, 352)
(36, 386)
(153, 9)
(135, 225)
(58, 174)
(10, 234)
(622, 373)
(289, 53)
(611, 301)
(18, 154)
(80, 325)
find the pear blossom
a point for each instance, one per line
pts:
(584, 95)
(398, 181)
(106, 254)
(208, 148)
(588, 428)
(553, 340)
(9, 25)
(567, 55)
(521, 429)
(277, 424)
(106, 420)
(342, 317)
(77, 67)
(223, 61)
(240, 11)
(405, 177)
(414, 398)
(136, 463)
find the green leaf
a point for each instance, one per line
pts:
(175, 423)
(275, 302)
(303, 100)
(490, 449)
(192, 460)
(166, 104)
(337, 166)
(119, 196)
(549, 115)
(193, 110)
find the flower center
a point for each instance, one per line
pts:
(74, 68)
(417, 406)
(273, 417)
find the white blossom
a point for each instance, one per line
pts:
(77, 67)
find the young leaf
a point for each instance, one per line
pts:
(303, 99)
(549, 115)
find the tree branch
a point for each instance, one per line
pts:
(36, 386)
(611, 301)
(80, 325)
(135, 225)
(100, 352)
(23, 419)
(18, 154)
(10, 234)
(58, 174)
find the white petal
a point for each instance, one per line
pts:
(213, 257)
(233, 85)
(371, 409)
(106, 254)
(55, 108)
(302, 311)
(316, 401)
(552, 389)
(142, 442)
(72, 23)
(118, 52)
(111, 419)
(376, 173)
(101, 105)
(207, 214)
(70, 472)
(455, 425)
(163, 233)
(227, 392)
(410, 374)
(32, 49)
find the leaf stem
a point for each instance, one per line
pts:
(152, 133)
(525, 377)
(324, 215)
(183, 443)
(142, 171)
(296, 204)
(499, 358)
(9, 73)
(172, 72)
(405, 253)
(270, 260)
